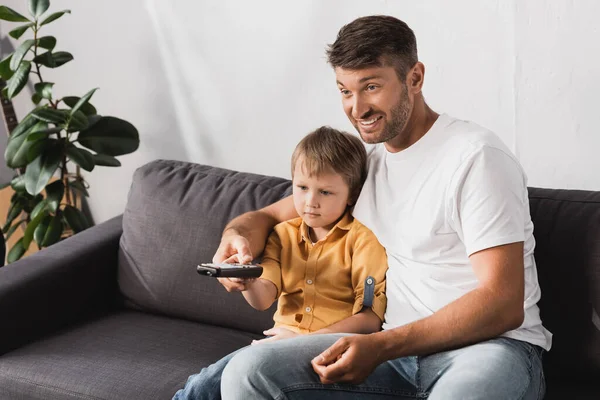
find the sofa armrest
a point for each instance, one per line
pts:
(59, 285)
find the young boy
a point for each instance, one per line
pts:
(326, 269)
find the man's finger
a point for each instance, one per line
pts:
(337, 371)
(223, 252)
(331, 354)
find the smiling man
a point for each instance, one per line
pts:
(449, 202)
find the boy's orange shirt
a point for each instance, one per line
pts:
(323, 283)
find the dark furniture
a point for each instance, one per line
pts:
(118, 311)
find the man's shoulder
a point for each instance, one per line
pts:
(470, 136)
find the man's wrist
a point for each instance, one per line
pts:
(231, 231)
(389, 344)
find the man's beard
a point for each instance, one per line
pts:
(399, 116)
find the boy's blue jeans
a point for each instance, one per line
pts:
(207, 383)
(500, 368)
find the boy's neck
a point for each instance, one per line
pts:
(316, 234)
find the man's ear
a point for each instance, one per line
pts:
(416, 77)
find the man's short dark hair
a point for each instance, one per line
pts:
(374, 41)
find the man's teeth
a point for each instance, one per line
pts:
(370, 121)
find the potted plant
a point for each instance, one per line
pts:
(56, 134)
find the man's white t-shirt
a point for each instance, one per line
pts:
(456, 191)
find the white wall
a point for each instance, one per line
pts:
(236, 84)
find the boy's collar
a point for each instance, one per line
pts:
(345, 224)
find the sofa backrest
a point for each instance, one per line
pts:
(175, 214)
(567, 253)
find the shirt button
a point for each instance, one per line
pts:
(309, 281)
(308, 309)
(369, 281)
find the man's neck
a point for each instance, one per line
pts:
(421, 120)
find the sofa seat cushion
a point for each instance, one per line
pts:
(558, 391)
(126, 355)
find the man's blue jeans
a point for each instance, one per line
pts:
(501, 368)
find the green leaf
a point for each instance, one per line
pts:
(36, 98)
(81, 157)
(8, 14)
(79, 186)
(19, 79)
(5, 72)
(50, 115)
(14, 210)
(16, 252)
(44, 89)
(18, 148)
(37, 135)
(37, 147)
(30, 202)
(76, 219)
(20, 53)
(54, 194)
(106, 161)
(84, 100)
(111, 136)
(47, 42)
(40, 207)
(18, 183)
(48, 231)
(18, 32)
(28, 235)
(38, 7)
(86, 108)
(53, 60)
(24, 126)
(78, 122)
(39, 172)
(13, 228)
(55, 16)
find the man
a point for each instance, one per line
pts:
(449, 202)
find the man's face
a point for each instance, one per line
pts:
(376, 102)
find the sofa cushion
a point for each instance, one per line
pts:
(127, 355)
(173, 221)
(567, 253)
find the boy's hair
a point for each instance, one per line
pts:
(375, 41)
(329, 150)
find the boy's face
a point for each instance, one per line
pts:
(319, 200)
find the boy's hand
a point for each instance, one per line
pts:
(234, 284)
(277, 333)
(350, 360)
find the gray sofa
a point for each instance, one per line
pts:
(118, 311)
